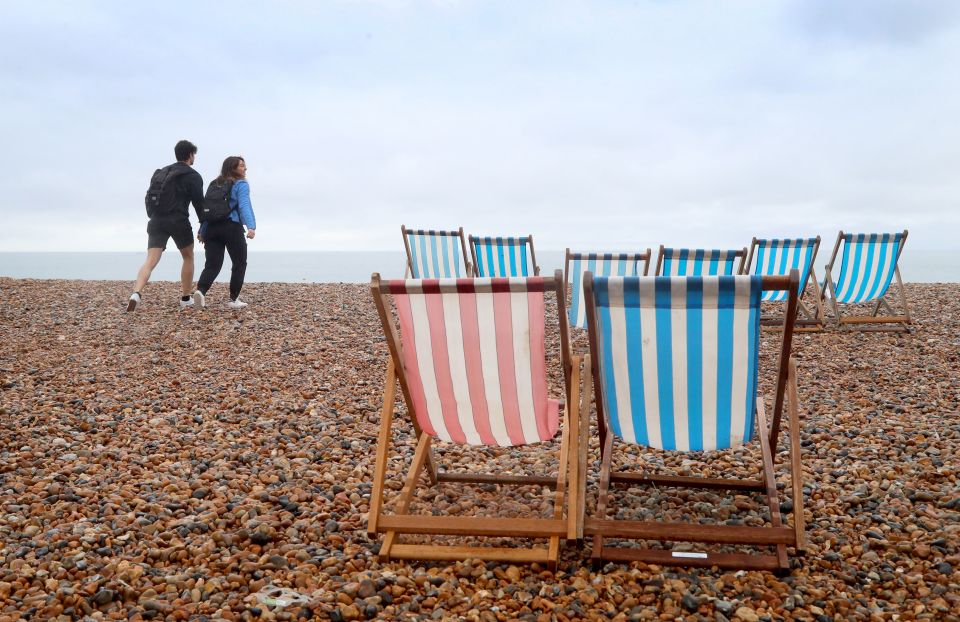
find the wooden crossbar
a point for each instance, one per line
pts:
(695, 560)
(687, 482)
(457, 553)
(875, 319)
(487, 478)
(474, 526)
(686, 532)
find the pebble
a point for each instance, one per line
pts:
(150, 477)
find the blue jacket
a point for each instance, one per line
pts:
(241, 206)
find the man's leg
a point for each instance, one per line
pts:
(186, 272)
(153, 258)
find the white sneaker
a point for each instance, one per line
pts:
(199, 299)
(134, 302)
(186, 303)
(236, 304)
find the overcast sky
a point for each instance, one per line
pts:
(597, 125)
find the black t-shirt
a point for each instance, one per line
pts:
(189, 187)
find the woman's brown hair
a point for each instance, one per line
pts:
(229, 168)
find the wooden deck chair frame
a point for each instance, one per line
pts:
(778, 535)
(900, 321)
(408, 272)
(812, 319)
(741, 253)
(570, 256)
(564, 524)
(528, 240)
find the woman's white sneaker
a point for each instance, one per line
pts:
(236, 304)
(199, 299)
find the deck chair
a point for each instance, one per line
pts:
(778, 257)
(676, 369)
(435, 254)
(503, 257)
(470, 360)
(600, 264)
(868, 263)
(699, 261)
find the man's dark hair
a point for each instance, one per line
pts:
(184, 150)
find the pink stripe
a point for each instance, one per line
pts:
(538, 365)
(410, 364)
(503, 321)
(471, 351)
(441, 367)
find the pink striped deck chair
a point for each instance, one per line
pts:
(470, 360)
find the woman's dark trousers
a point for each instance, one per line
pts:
(227, 235)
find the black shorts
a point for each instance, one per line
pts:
(161, 229)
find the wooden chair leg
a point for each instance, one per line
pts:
(770, 482)
(383, 448)
(584, 443)
(406, 495)
(596, 555)
(796, 466)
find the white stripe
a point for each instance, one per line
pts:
(521, 355)
(491, 369)
(738, 385)
(861, 272)
(458, 366)
(648, 326)
(880, 271)
(582, 307)
(621, 363)
(424, 349)
(678, 325)
(709, 363)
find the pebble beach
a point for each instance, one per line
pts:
(216, 465)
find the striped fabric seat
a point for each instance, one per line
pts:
(867, 265)
(435, 254)
(608, 264)
(678, 359)
(778, 257)
(474, 358)
(503, 256)
(699, 262)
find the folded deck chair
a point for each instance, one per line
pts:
(503, 257)
(676, 362)
(435, 254)
(600, 264)
(868, 263)
(470, 361)
(778, 257)
(699, 261)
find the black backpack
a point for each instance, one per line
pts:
(216, 203)
(161, 198)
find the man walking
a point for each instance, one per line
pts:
(171, 191)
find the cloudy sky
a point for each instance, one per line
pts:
(595, 125)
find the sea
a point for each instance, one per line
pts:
(916, 266)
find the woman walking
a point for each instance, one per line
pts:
(228, 234)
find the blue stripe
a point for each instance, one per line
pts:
(435, 263)
(607, 377)
(695, 362)
(773, 257)
(664, 334)
(753, 334)
(634, 337)
(857, 259)
(889, 268)
(724, 359)
(576, 294)
(844, 268)
(423, 257)
(456, 256)
(807, 262)
(523, 260)
(869, 270)
(445, 245)
(491, 270)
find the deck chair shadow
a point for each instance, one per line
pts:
(575, 265)
(503, 256)
(868, 264)
(469, 357)
(699, 261)
(435, 254)
(777, 257)
(676, 369)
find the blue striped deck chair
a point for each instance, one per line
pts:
(868, 264)
(675, 366)
(775, 257)
(699, 261)
(503, 256)
(435, 254)
(600, 264)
